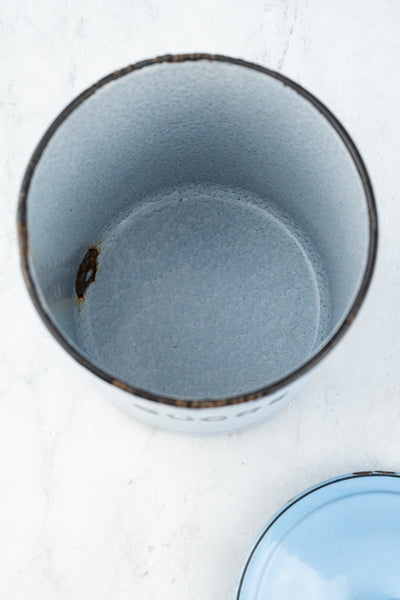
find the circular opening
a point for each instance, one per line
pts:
(217, 221)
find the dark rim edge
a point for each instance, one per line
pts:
(206, 402)
(300, 497)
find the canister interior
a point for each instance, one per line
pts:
(197, 229)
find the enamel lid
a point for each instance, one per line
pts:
(339, 540)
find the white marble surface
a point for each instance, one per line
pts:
(93, 504)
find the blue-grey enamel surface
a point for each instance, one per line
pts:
(200, 279)
(339, 541)
(229, 288)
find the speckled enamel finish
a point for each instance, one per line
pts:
(201, 232)
(337, 541)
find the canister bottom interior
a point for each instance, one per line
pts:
(202, 291)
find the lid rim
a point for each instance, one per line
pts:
(295, 500)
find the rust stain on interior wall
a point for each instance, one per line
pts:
(86, 273)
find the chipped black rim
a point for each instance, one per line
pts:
(300, 497)
(206, 402)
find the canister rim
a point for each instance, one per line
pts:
(262, 392)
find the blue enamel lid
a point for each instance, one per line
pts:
(339, 540)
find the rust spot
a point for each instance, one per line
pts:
(86, 272)
(22, 237)
(121, 385)
(24, 250)
(184, 403)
